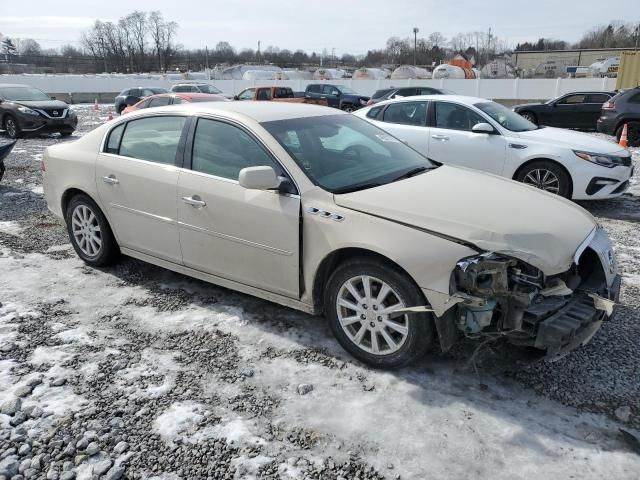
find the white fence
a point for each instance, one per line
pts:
(507, 89)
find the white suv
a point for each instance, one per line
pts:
(484, 135)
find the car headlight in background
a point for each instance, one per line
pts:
(28, 111)
(363, 101)
(608, 161)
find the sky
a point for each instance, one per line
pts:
(349, 26)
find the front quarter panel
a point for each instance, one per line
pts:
(427, 258)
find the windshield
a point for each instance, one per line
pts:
(348, 90)
(343, 153)
(209, 89)
(158, 90)
(26, 94)
(505, 117)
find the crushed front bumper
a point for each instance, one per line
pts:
(573, 325)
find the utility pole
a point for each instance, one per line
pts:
(258, 53)
(488, 45)
(206, 58)
(415, 45)
(333, 57)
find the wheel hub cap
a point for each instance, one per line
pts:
(364, 306)
(86, 230)
(543, 179)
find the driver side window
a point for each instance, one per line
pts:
(572, 99)
(222, 150)
(456, 117)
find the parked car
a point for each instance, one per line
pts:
(337, 96)
(323, 212)
(27, 110)
(622, 109)
(277, 94)
(400, 92)
(573, 110)
(164, 99)
(196, 88)
(484, 135)
(131, 96)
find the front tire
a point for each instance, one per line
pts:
(12, 127)
(348, 108)
(546, 175)
(89, 232)
(359, 298)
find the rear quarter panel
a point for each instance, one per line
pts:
(71, 165)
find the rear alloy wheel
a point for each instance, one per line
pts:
(89, 232)
(547, 176)
(11, 127)
(529, 116)
(361, 297)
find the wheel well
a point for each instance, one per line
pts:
(331, 262)
(621, 123)
(68, 195)
(529, 162)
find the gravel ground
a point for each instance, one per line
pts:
(137, 372)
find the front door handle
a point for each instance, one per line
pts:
(111, 179)
(444, 138)
(195, 201)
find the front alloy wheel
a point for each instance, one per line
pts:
(529, 116)
(364, 307)
(546, 175)
(11, 127)
(361, 297)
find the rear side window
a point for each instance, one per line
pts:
(159, 102)
(223, 150)
(264, 94)
(283, 93)
(598, 98)
(374, 112)
(155, 139)
(181, 88)
(407, 113)
(114, 139)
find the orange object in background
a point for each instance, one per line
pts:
(624, 142)
(460, 62)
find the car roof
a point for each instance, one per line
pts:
(14, 85)
(463, 99)
(257, 111)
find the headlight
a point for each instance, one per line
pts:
(363, 101)
(28, 111)
(608, 161)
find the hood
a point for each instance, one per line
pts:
(571, 139)
(523, 105)
(492, 213)
(59, 104)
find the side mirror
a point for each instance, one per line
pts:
(236, 97)
(258, 178)
(482, 128)
(131, 100)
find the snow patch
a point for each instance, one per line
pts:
(11, 228)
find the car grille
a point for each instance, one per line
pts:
(55, 112)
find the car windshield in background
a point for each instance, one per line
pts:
(345, 89)
(342, 153)
(25, 94)
(505, 117)
(158, 90)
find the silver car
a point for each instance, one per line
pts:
(323, 212)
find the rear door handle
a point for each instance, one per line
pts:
(111, 179)
(444, 138)
(195, 201)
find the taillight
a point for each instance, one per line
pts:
(609, 106)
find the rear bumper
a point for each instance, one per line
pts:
(606, 125)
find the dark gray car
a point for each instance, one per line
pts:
(131, 96)
(27, 110)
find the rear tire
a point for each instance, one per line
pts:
(90, 233)
(398, 341)
(12, 127)
(546, 175)
(530, 116)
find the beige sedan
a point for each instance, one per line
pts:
(321, 211)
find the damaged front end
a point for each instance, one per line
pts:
(502, 296)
